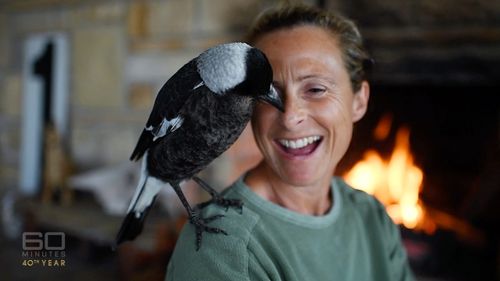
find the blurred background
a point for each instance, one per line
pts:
(78, 79)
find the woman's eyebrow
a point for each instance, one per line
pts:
(317, 76)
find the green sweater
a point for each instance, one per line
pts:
(355, 240)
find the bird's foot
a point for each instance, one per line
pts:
(200, 225)
(223, 202)
(217, 198)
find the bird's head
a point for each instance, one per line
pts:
(238, 68)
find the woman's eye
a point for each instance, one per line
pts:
(316, 90)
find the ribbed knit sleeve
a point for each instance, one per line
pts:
(221, 257)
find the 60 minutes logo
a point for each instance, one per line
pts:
(45, 249)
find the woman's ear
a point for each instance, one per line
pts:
(360, 102)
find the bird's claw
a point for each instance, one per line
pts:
(200, 227)
(236, 203)
(223, 202)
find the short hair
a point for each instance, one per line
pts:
(354, 55)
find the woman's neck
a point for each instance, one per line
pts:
(314, 199)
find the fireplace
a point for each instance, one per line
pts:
(454, 138)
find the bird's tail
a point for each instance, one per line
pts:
(131, 226)
(144, 142)
(139, 207)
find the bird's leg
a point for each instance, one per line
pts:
(195, 218)
(216, 198)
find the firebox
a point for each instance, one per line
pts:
(452, 134)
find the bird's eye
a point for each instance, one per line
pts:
(279, 90)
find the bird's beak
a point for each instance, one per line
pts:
(273, 98)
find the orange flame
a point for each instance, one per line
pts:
(395, 182)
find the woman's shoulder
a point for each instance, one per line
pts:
(236, 225)
(357, 199)
(219, 254)
(236, 222)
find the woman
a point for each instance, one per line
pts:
(297, 222)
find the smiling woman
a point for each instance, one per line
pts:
(319, 104)
(299, 223)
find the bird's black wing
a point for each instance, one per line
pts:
(168, 104)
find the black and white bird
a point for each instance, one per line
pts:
(197, 115)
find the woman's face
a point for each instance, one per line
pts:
(303, 145)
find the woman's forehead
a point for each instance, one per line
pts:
(298, 40)
(303, 51)
(298, 33)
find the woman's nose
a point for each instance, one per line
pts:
(295, 112)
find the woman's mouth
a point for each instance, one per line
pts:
(299, 147)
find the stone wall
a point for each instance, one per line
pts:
(121, 53)
(437, 42)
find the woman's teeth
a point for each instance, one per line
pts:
(299, 143)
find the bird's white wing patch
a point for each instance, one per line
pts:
(176, 123)
(166, 126)
(199, 85)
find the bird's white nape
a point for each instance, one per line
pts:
(224, 66)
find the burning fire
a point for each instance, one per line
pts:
(396, 181)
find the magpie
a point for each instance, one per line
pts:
(197, 115)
